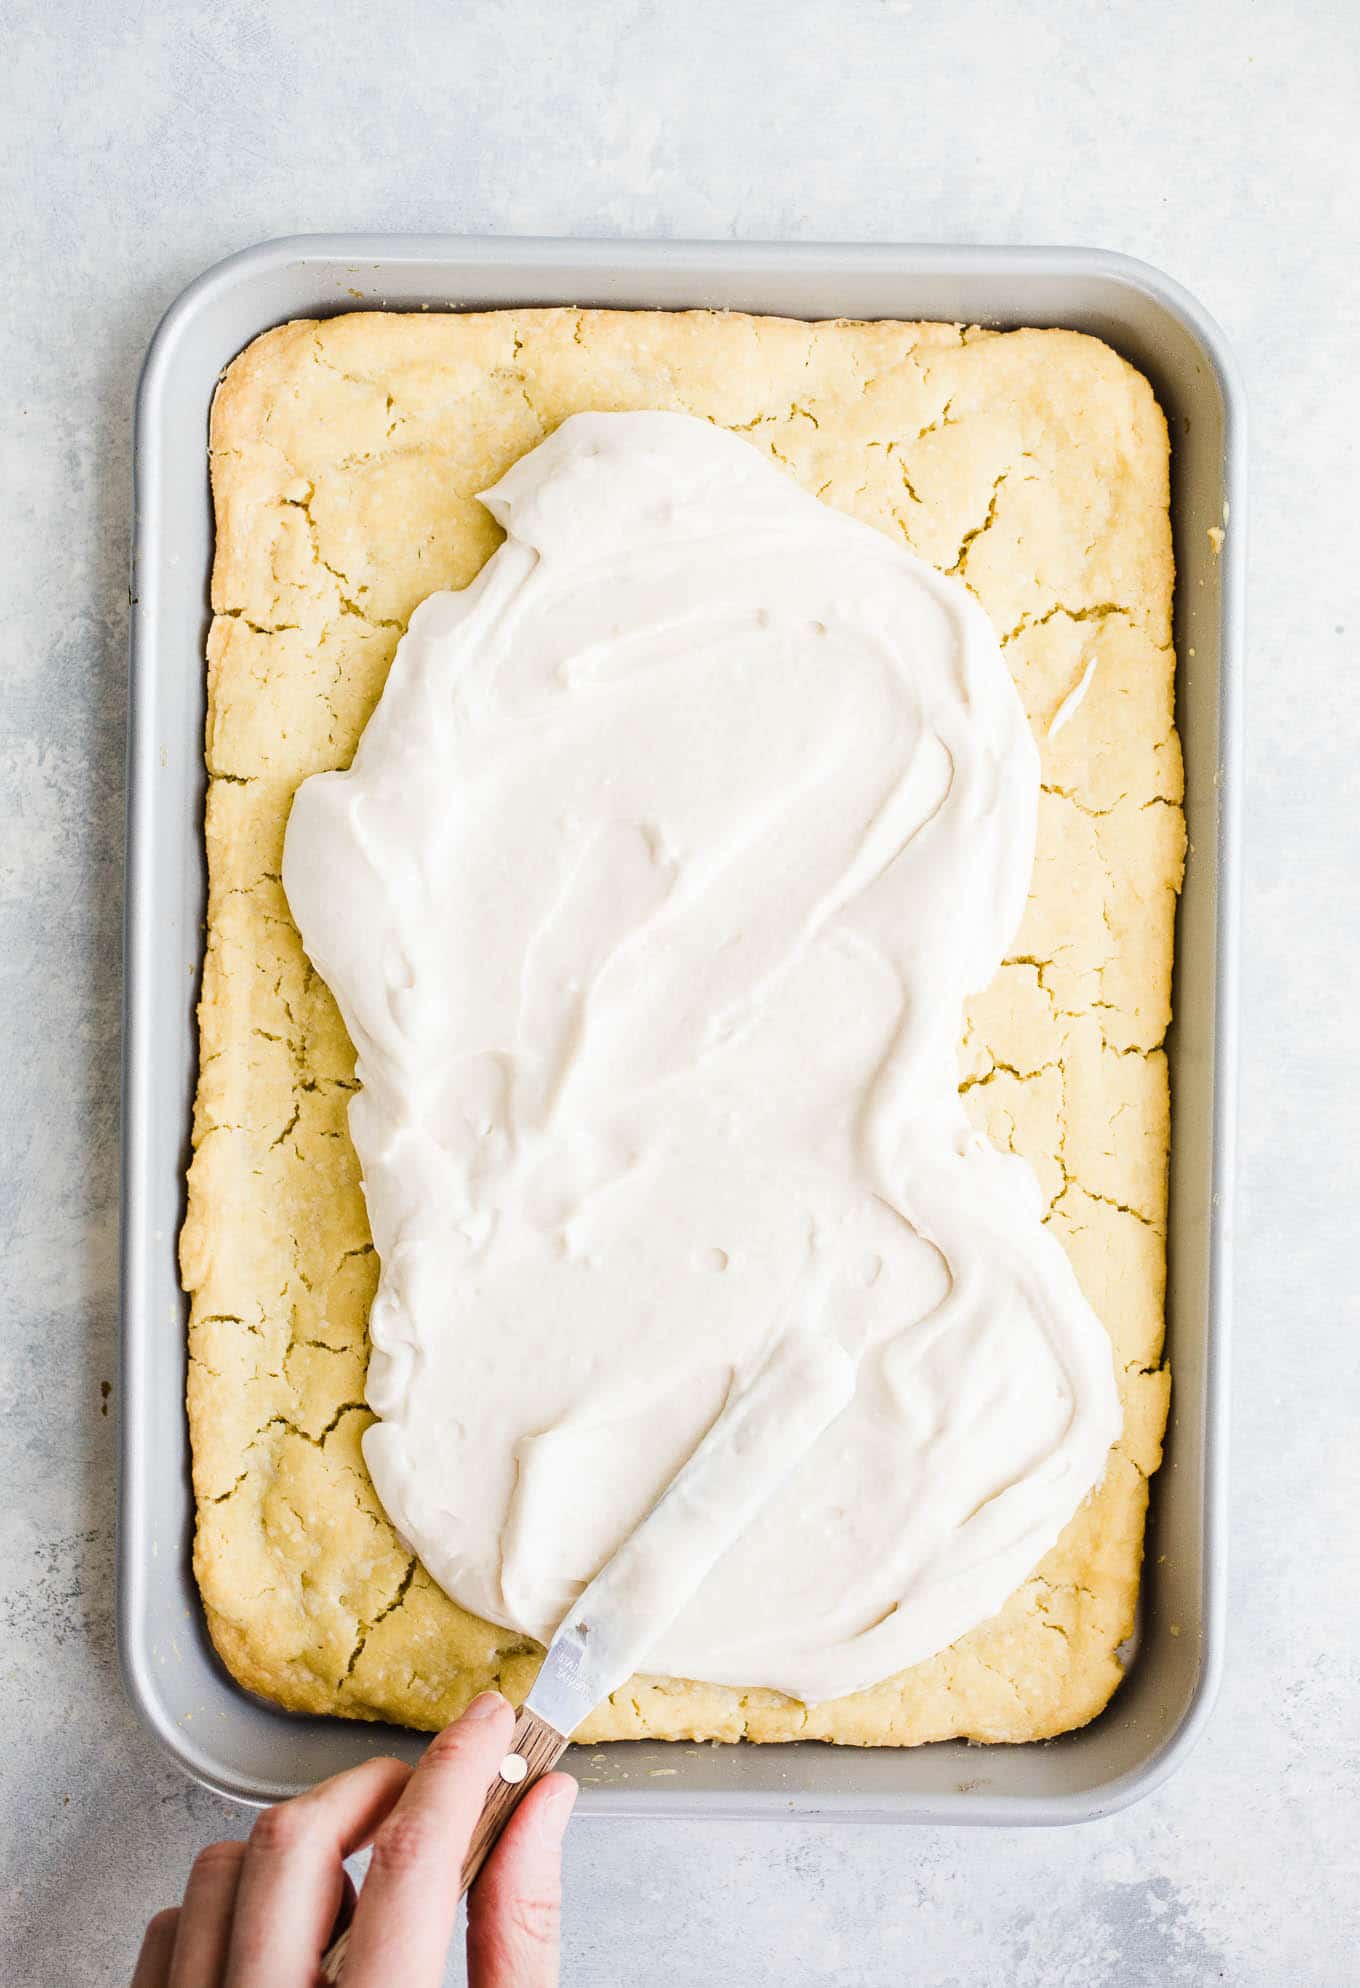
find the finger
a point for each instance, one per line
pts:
(158, 1946)
(407, 1908)
(205, 1917)
(291, 1882)
(344, 1912)
(515, 1908)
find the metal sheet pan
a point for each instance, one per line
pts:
(250, 1750)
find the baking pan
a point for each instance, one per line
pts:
(245, 1748)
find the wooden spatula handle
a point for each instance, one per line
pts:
(540, 1748)
(535, 1748)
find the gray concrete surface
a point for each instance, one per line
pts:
(139, 143)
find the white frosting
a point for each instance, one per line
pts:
(650, 902)
(1071, 704)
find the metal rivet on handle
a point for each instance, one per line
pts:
(513, 1769)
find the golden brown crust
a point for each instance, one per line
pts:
(346, 457)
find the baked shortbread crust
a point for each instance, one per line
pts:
(346, 458)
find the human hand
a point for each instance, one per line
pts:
(260, 1914)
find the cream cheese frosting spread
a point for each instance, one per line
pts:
(650, 902)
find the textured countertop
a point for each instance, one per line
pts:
(137, 145)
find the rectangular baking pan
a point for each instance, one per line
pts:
(245, 1748)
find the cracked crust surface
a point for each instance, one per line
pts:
(346, 457)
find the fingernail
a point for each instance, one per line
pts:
(485, 1704)
(557, 1803)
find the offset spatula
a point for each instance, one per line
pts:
(752, 1446)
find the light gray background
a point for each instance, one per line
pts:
(1215, 138)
